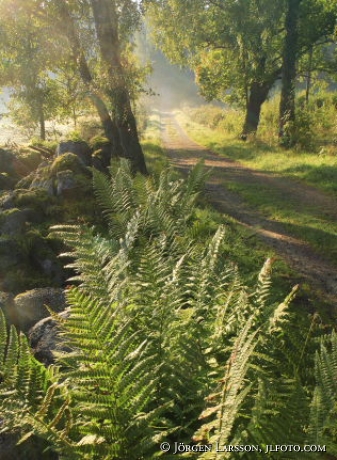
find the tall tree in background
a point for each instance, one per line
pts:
(233, 46)
(101, 62)
(25, 64)
(94, 35)
(240, 48)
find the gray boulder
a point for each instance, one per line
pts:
(30, 306)
(44, 339)
(65, 180)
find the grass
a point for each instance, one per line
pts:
(306, 221)
(154, 155)
(303, 222)
(317, 169)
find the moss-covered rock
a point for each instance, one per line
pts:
(68, 161)
(6, 161)
(7, 182)
(7, 200)
(11, 258)
(13, 221)
(98, 141)
(37, 199)
(78, 148)
(30, 159)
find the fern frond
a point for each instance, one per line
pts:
(323, 415)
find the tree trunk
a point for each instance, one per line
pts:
(109, 126)
(289, 58)
(257, 96)
(42, 124)
(106, 25)
(308, 79)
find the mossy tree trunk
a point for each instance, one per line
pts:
(106, 25)
(69, 28)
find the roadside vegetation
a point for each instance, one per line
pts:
(314, 164)
(314, 159)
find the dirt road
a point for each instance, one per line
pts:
(311, 266)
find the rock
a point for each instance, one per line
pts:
(30, 306)
(38, 179)
(6, 161)
(7, 201)
(7, 182)
(68, 162)
(8, 174)
(79, 148)
(13, 221)
(7, 305)
(65, 180)
(46, 184)
(70, 175)
(10, 255)
(101, 158)
(38, 200)
(45, 340)
(33, 449)
(45, 260)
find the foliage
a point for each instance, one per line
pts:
(23, 380)
(223, 119)
(238, 49)
(324, 404)
(234, 48)
(161, 330)
(28, 57)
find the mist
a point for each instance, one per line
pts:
(173, 86)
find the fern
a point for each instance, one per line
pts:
(161, 330)
(23, 380)
(323, 416)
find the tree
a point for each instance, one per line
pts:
(233, 46)
(94, 36)
(110, 20)
(25, 65)
(287, 102)
(308, 24)
(240, 48)
(106, 24)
